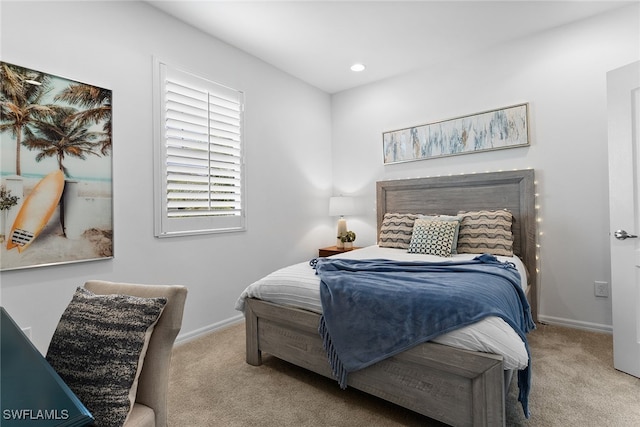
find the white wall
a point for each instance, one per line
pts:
(562, 74)
(288, 159)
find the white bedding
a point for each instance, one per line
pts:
(298, 286)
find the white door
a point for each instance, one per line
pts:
(623, 93)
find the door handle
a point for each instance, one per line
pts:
(622, 235)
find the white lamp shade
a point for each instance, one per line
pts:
(339, 206)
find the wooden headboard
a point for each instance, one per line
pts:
(446, 195)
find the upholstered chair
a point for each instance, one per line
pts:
(150, 407)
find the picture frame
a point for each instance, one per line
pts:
(56, 190)
(496, 129)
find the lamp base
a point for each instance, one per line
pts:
(342, 228)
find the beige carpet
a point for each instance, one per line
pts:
(574, 384)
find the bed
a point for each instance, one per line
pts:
(454, 385)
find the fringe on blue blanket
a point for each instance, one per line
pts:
(339, 372)
(524, 383)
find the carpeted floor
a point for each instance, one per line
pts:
(574, 384)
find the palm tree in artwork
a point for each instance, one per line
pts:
(21, 92)
(96, 108)
(59, 136)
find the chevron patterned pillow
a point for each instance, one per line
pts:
(396, 230)
(486, 231)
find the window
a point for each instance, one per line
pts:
(198, 155)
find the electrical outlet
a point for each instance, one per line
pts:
(601, 289)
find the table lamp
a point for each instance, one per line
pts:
(341, 206)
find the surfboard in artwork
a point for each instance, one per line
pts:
(36, 211)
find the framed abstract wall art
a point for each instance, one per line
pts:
(490, 130)
(56, 170)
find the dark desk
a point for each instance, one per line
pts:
(32, 393)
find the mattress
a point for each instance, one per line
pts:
(298, 286)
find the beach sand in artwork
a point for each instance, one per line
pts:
(94, 239)
(54, 248)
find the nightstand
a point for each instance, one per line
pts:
(332, 250)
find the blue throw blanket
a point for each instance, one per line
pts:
(374, 309)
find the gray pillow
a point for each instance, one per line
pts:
(455, 219)
(433, 237)
(98, 348)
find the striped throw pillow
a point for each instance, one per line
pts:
(486, 232)
(396, 230)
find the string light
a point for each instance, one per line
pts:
(540, 234)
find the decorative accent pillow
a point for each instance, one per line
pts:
(396, 230)
(455, 219)
(486, 232)
(98, 348)
(432, 237)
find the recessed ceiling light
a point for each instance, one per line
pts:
(357, 67)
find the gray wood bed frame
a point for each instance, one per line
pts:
(457, 387)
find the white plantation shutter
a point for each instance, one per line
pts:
(200, 155)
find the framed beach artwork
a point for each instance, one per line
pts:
(56, 169)
(490, 130)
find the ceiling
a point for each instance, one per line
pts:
(317, 41)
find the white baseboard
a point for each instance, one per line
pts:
(551, 320)
(186, 337)
(577, 324)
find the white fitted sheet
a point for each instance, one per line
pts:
(298, 286)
